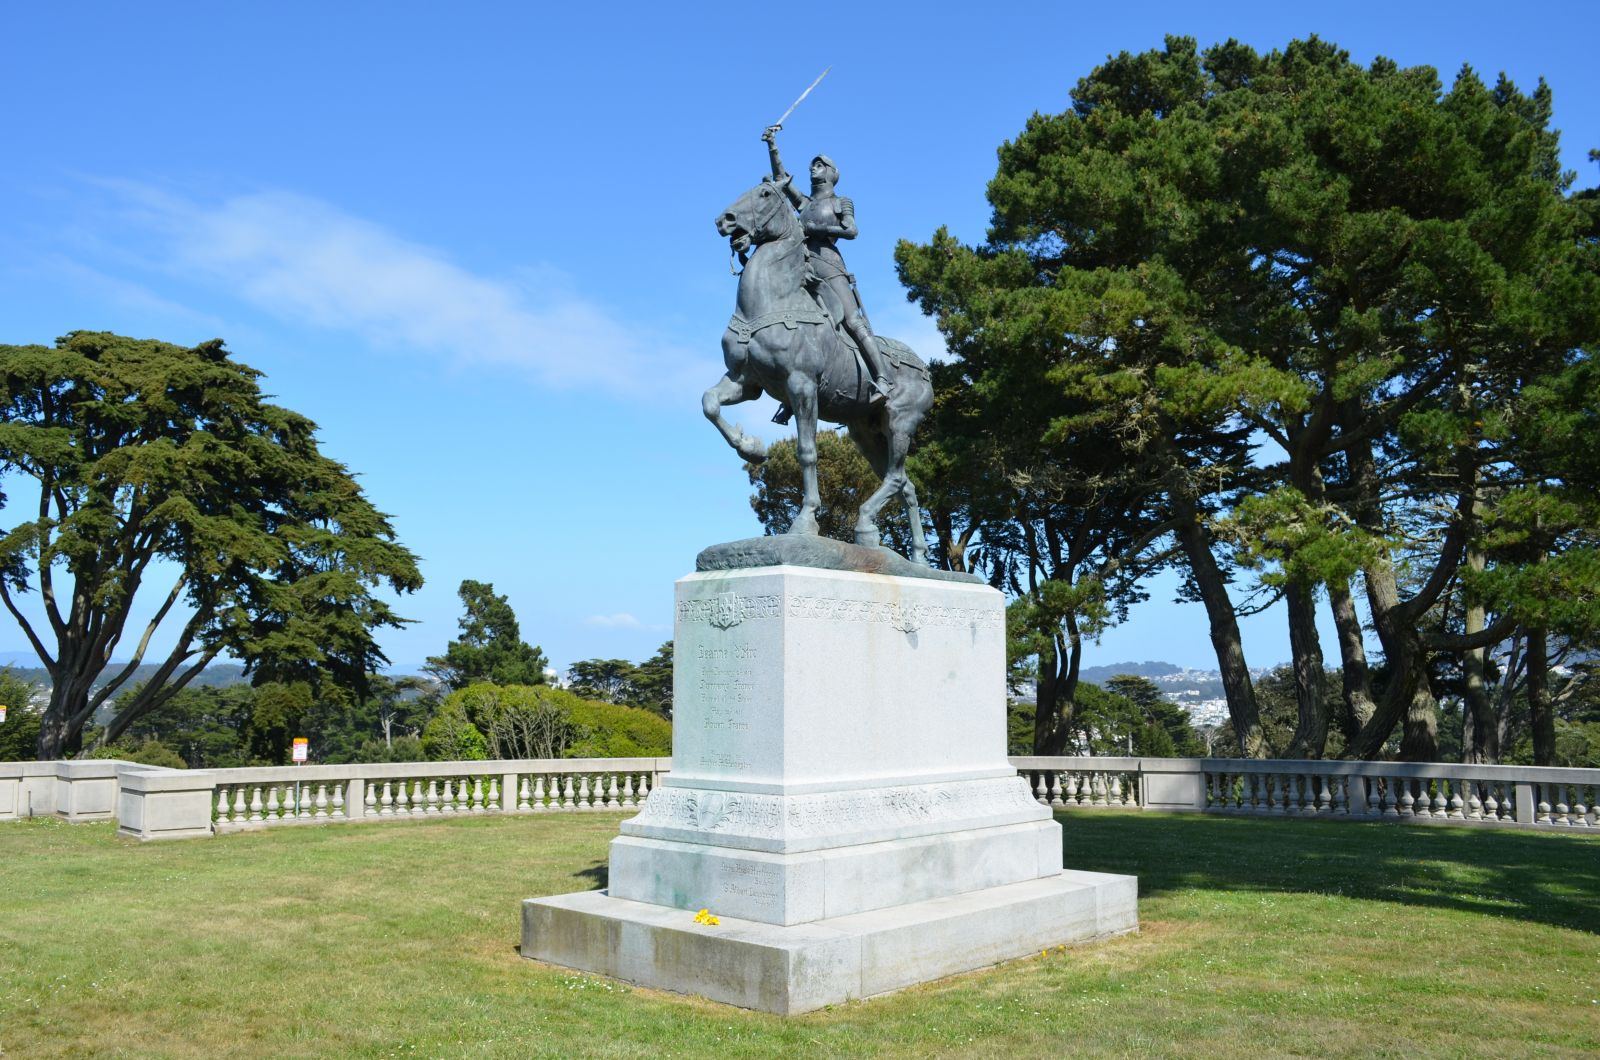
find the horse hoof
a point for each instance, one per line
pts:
(755, 454)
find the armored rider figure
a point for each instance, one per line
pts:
(828, 218)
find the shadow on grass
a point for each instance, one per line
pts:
(1548, 879)
(599, 874)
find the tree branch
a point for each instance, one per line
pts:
(1490, 635)
(138, 656)
(49, 663)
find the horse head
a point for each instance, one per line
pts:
(759, 216)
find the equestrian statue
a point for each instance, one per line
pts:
(799, 333)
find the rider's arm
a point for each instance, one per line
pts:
(847, 218)
(794, 194)
(844, 223)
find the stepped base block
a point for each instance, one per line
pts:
(801, 888)
(787, 970)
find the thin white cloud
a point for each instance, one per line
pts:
(621, 620)
(304, 260)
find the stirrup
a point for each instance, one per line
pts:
(783, 415)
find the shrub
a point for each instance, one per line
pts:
(147, 752)
(402, 749)
(615, 731)
(451, 736)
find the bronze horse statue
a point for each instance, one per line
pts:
(782, 342)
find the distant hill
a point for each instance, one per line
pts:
(1100, 674)
(217, 674)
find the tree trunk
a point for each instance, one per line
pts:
(1225, 639)
(1358, 698)
(1044, 699)
(1401, 646)
(1055, 702)
(1311, 731)
(1480, 729)
(1419, 741)
(61, 728)
(1541, 713)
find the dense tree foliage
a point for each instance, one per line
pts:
(1320, 325)
(647, 685)
(148, 457)
(1128, 716)
(490, 647)
(19, 735)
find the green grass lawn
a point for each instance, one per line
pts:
(1258, 938)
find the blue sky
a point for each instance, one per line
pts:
(474, 241)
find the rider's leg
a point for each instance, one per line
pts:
(861, 331)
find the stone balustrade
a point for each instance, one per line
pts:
(263, 797)
(154, 803)
(1414, 792)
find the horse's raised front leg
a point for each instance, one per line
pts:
(803, 400)
(729, 391)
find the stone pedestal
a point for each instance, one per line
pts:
(839, 797)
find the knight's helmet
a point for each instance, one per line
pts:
(833, 170)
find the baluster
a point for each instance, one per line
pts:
(1116, 789)
(494, 792)
(1438, 807)
(1324, 800)
(255, 803)
(627, 791)
(402, 798)
(612, 800)
(1388, 800)
(1563, 812)
(1055, 788)
(524, 794)
(1040, 792)
(386, 803)
(1407, 801)
(322, 801)
(272, 803)
(223, 806)
(1474, 805)
(538, 793)
(646, 782)
(1455, 809)
(1070, 782)
(1543, 816)
(566, 793)
(1491, 807)
(1098, 782)
(302, 796)
(1580, 809)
